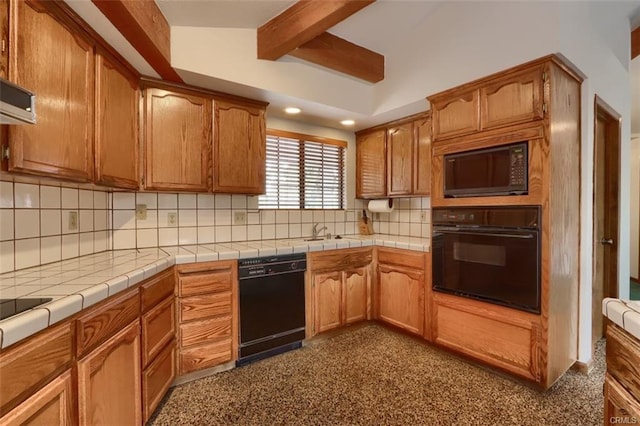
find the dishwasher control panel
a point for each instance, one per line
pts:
(270, 265)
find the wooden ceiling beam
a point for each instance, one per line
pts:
(142, 23)
(341, 55)
(301, 23)
(635, 43)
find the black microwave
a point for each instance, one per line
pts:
(501, 170)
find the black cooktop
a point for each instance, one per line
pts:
(10, 307)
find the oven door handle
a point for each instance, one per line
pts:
(527, 236)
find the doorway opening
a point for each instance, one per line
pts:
(606, 205)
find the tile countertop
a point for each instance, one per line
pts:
(78, 283)
(625, 313)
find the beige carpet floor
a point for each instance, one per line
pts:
(374, 376)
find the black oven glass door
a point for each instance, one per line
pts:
(495, 265)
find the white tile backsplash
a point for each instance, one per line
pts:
(34, 221)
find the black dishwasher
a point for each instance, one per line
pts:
(272, 312)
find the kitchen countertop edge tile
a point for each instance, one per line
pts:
(622, 315)
(25, 324)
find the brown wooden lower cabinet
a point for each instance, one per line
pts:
(51, 405)
(157, 378)
(207, 314)
(622, 381)
(401, 289)
(501, 337)
(340, 284)
(109, 388)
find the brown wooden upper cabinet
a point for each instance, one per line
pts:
(455, 114)
(371, 164)
(506, 100)
(55, 60)
(117, 100)
(4, 37)
(177, 140)
(400, 144)
(394, 159)
(239, 148)
(513, 99)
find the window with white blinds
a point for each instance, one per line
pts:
(303, 172)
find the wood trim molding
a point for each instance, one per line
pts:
(310, 138)
(145, 27)
(635, 43)
(343, 56)
(301, 23)
(403, 120)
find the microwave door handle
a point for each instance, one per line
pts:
(490, 234)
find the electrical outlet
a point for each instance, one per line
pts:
(73, 221)
(239, 218)
(172, 219)
(141, 211)
(423, 216)
(376, 216)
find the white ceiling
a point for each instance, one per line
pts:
(384, 26)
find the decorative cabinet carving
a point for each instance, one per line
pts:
(239, 148)
(177, 140)
(394, 159)
(53, 60)
(117, 100)
(371, 164)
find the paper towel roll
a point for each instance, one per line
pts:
(381, 206)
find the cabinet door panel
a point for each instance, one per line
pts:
(239, 149)
(109, 387)
(58, 65)
(456, 116)
(371, 165)
(512, 100)
(157, 378)
(328, 297)
(356, 283)
(620, 407)
(117, 100)
(401, 297)
(51, 405)
(422, 157)
(158, 328)
(400, 147)
(178, 139)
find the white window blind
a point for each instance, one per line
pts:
(303, 174)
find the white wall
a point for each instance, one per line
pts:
(635, 207)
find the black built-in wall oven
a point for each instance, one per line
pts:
(488, 253)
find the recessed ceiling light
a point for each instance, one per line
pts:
(292, 110)
(347, 122)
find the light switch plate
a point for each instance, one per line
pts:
(423, 216)
(73, 221)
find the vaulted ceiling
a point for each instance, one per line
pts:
(216, 44)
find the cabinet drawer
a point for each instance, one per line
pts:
(407, 258)
(339, 260)
(620, 407)
(508, 343)
(106, 319)
(623, 358)
(210, 282)
(158, 327)
(29, 365)
(203, 331)
(156, 289)
(205, 356)
(198, 307)
(157, 378)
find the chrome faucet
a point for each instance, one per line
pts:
(315, 231)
